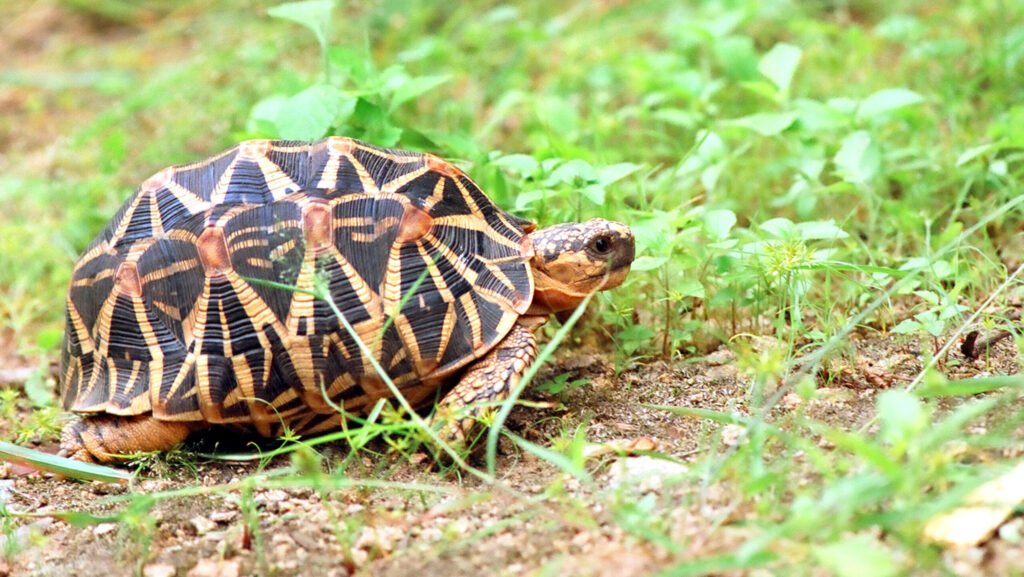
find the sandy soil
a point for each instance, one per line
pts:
(461, 526)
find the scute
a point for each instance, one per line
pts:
(217, 338)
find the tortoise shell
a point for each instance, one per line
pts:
(183, 307)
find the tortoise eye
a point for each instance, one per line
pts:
(602, 245)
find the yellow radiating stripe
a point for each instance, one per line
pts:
(101, 330)
(477, 224)
(437, 196)
(468, 198)
(501, 276)
(190, 200)
(380, 228)
(450, 317)
(277, 179)
(89, 281)
(78, 325)
(211, 411)
(220, 190)
(461, 266)
(225, 329)
(369, 186)
(122, 226)
(154, 216)
(435, 273)
(255, 229)
(278, 252)
(398, 182)
(392, 290)
(171, 270)
(400, 356)
(177, 383)
(194, 325)
(473, 317)
(410, 345)
(329, 174)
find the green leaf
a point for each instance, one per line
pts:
(263, 116)
(887, 100)
(616, 172)
(573, 173)
(779, 65)
(689, 287)
(594, 193)
(860, 556)
(820, 230)
(737, 57)
(718, 223)
(374, 124)
(907, 327)
(311, 113)
(313, 14)
(858, 159)
(410, 88)
(646, 263)
(766, 123)
(522, 164)
(779, 228)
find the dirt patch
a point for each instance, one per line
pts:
(432, 524)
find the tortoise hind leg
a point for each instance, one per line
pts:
(103, 437)
(489, 379)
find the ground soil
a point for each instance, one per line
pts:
(462, 526)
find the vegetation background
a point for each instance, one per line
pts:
(826, 197)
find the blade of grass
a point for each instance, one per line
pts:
(61, 465)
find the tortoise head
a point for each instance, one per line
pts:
(572, 260)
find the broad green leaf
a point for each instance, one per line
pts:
(374, 123)
(779, 65)
(616, 172)
(413, 87)
(737, 57)
(718, 223)
(779, 227)
(311, 113)
(573, 173)
(907, 327)
(820, 230)
(646, 263)
(522, 164)
(887, 100)
(594, 193)
(766, 123)
(815, 117)
(689, 287)
(263, 117)
(313, 14)
(858, 159)
(860, 556)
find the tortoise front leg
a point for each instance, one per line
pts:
(103, 437)
(488, 379)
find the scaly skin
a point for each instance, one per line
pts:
(488, 379)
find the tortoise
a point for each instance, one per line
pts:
(195, 306)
